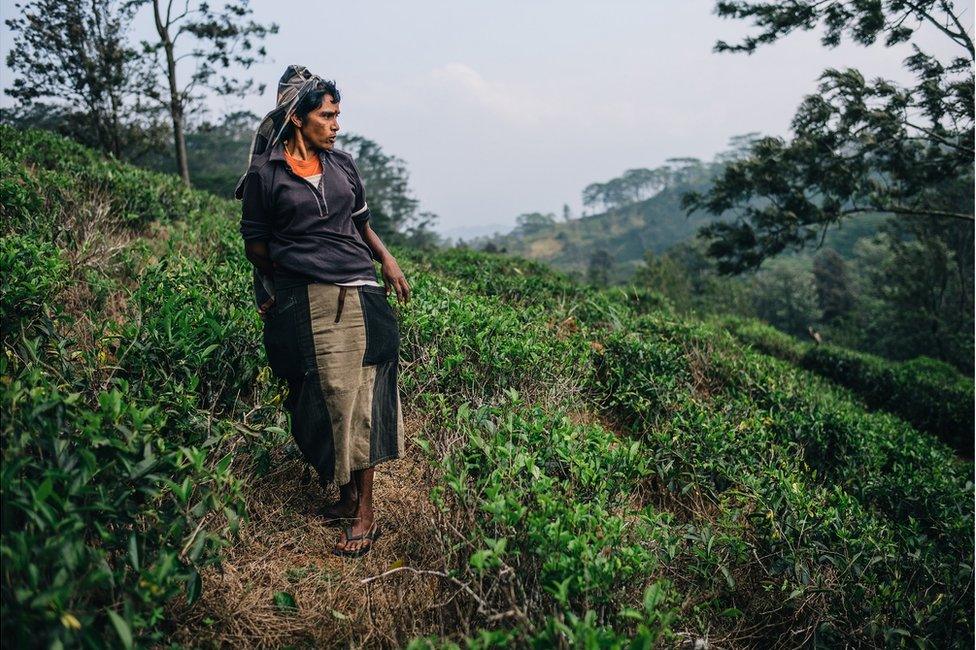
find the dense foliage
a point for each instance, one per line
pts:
(117, 483)
(857, 145)
(608, 471)
(929, 394)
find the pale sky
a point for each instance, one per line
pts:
(508, 107)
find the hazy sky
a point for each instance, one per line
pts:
(505, 107)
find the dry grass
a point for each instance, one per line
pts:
(699, 355)
(91, 237)
(285, 547)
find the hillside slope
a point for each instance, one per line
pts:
(654, 224)
(584, 468)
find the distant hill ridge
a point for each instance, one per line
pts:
(653, 224)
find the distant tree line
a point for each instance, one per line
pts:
(638, 184)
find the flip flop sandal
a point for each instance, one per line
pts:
(376, 532)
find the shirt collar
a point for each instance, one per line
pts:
(278, 151)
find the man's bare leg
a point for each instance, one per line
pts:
(348, 499)
(363, 479)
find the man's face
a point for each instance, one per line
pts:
(322, 124)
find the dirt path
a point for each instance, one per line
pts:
(287, 548)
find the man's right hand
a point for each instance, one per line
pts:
(263, 309)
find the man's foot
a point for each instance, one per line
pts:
(353, 544)
(358, 537)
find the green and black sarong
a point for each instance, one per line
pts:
(338, 349)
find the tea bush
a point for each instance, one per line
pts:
(552, 499)
(34, 273)
(840, 484)
(805, 478)
(541, 499)
(103, 502)
(197, 329)
(932, 402)
(117, 483)
(929, 394)
(63, 168)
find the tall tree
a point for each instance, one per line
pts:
(217, 152)
(926, 298)
(784, 295)
(75, 53)
(834, 295)
(530, 223)
(858, 146)
(223, 39)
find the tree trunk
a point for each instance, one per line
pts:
(176, 110)
(116, 128)
(175, 105)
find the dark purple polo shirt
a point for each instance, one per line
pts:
(312, 233)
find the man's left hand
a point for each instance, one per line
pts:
(393, 278)
(263, 309)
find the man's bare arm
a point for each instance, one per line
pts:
(392, 275)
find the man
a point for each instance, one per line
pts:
(305, 223)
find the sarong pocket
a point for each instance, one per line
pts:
(382, 330)
(281, 342)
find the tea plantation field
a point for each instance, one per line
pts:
(585, 468)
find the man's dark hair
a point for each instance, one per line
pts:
(311, 101)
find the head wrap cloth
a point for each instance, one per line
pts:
(294, 84)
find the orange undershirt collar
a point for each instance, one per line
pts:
(304, 168)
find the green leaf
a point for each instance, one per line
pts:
(728, 576)
(285, 602)
(44, 491)
(143, 468)
(134, 551)
(224, 463)
(194, 585)
(479, 558)
(198, 546)
(121, 628)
